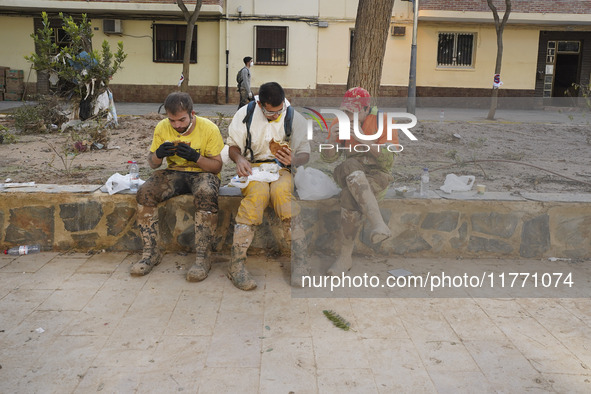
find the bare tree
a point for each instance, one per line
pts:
(499, 27)
(369, 44)
(191, 20)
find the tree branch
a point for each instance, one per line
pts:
(184, 9)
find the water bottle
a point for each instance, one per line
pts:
(23, 249)
(441, 116)
(424, 189)
(134, 175)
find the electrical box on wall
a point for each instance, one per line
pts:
(398, 30)
(112, 26)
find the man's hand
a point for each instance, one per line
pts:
(165, 150)
(243, 167)
(284, 156)
(187, 153)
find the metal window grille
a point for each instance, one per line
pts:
(169, 43)
(271, 45)
(455, 49)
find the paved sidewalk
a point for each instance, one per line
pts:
(73, 323)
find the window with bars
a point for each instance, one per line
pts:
(271, 45)
(455, 50)
(169, 43)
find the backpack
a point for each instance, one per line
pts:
(287, 122)
(239, 77)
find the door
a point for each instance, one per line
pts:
(563, 61)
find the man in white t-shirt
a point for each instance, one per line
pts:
(247, 151)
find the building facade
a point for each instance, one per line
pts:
(305, 45)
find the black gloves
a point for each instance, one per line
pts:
(187, 153)
(165, 150)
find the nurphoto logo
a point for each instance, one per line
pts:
(392, 122)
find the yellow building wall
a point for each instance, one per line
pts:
(300, 73)
(334, 43)
(138, 67)
(518, 70)
(16, 44)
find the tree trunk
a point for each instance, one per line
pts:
(191, 20)
(499, 27)
(369, 44)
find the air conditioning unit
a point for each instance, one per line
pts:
(112, 26)
(398, 30)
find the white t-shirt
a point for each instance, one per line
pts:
(263, 131)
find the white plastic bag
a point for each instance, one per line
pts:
(454, 183)
(313, 184)
(261, 174)
(118, 182)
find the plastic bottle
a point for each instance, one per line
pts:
(23, 249)
(134, 175)
(441, 116)
(424, 189)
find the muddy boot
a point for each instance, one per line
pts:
(205, 226)
(147, 220)
(361, 191)
(240, 277)
(293, 231)
(350, 225)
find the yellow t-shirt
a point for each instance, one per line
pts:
(205, 139)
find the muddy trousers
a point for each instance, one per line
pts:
(163, 185)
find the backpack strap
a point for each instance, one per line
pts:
(248, 121)
(287, 122)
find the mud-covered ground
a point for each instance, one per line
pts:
(504, 156)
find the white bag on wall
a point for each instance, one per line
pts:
(313, 184)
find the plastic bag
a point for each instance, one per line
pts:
(454, 183)
(261, 174)
(118, 182)
(313, 184)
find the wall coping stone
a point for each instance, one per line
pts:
(391, 194)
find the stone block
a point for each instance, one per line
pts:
(573, 234)
(119, 219)
(408, 242)
(535, 237)
(128, 242)
(479, 244)
(88, 241)
(81, 216)
(493, 223)
(31, 225)
(441, 221)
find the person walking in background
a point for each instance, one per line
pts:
(243, 79)
(192, 147)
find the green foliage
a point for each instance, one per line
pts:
(337, 320)
(43, 117)
(585, 92)
(66, 154)
(6, 137)
(77, 64)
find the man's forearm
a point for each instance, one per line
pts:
(154, 161)
(234, 153)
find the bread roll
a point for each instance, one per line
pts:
(275, 146)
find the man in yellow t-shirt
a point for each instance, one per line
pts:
(191, 146)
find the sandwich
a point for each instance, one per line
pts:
(276, 146)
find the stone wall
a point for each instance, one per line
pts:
(435, 227)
